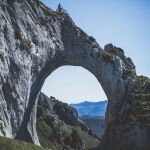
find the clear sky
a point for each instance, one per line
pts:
(125, 23)
(73, 84)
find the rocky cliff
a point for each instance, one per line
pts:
(34, 41)
(59, 127)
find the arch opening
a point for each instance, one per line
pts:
(73, 84)
(66, 89)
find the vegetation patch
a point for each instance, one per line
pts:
(142, 79)
(108, 57)
(24, 42)
(92, 39)
(18, 33)
(44, 132)
(43, 22)
(143, 109)
(2, 57)
(140, 100)
(128, 116)
(9, 144)
(127, 73)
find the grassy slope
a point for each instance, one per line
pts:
(48, 140)
(9, 144)
(96, 124)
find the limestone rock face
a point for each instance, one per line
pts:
(34, 41)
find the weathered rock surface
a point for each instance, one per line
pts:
(34, 41)
(62, 111)
(131, 128)
(59, 127)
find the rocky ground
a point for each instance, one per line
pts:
(10, 144)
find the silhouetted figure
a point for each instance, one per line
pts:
(61, 9)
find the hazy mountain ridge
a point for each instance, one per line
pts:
(91, 108)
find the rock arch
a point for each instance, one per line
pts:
(31, 48)
(76, 48)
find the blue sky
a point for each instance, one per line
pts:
(125, 23)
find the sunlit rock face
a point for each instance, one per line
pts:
(34, 41)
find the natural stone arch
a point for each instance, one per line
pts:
(76, 48)
(33, 46)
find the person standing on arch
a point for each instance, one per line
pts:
(60, 8)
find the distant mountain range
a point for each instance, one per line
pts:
(88, 108)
